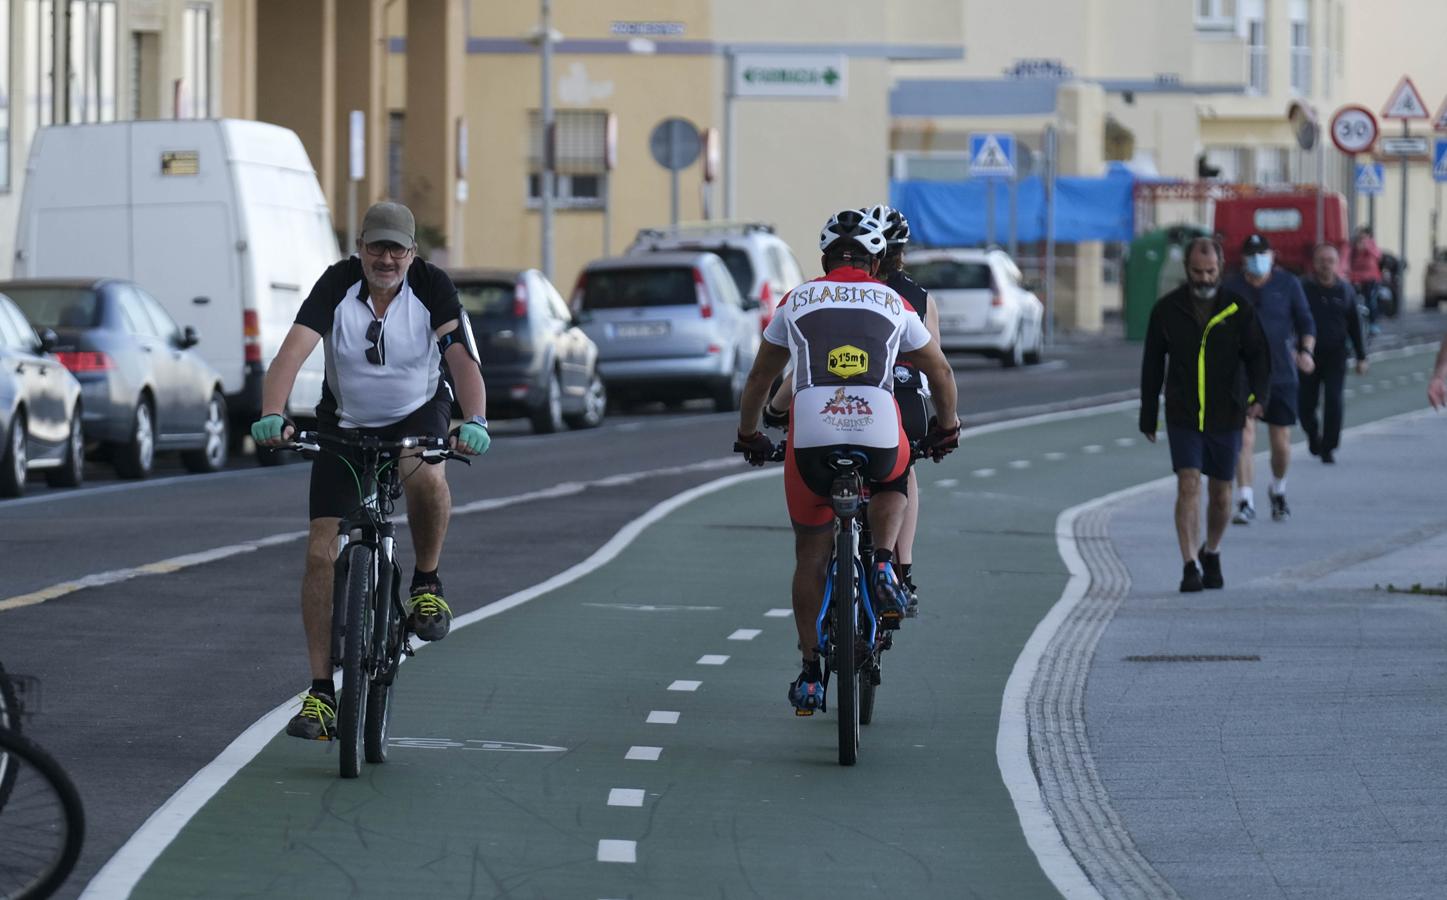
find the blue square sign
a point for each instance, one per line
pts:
(1371, 179)
(992, 155)
(1439, 160)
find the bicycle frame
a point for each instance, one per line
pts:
(861, 539)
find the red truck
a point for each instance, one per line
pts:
(1287, 220)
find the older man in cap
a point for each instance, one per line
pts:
(387, 320)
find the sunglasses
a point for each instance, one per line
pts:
(394, 250)
(375, 353)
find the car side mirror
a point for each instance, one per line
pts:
(750, 303)
(49, 340)
(189, 337)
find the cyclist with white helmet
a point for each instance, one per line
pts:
(844, 333)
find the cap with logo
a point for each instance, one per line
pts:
(1255, 244)
(388, 221)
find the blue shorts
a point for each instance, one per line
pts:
(1281, 406)
(1213, 452)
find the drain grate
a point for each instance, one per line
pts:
(1193, 658)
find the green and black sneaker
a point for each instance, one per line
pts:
(317, 720)
(428, 615)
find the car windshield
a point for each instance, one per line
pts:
(735, 259)
(56, 307)
(487, 300)
(626, 288)
(950, 275)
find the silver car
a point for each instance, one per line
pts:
(669, 326)
(40, 408)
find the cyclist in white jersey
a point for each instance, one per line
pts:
(842, 334)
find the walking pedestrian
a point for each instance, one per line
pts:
(1366, 272)
(1281, 306)
(1333, 305)
(1202, 344)
(1437, 385)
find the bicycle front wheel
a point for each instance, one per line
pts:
(846, 616)
(42, 824)
(356, 635)
(387, 638)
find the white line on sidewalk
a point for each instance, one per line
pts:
(983, 473)
(645, 754)
(947, 482)
(610, 851)
(778, 613)
(625, 797)
(1091, 448)
(1019, 463)
(712, 659)
(1055, 456)
(662, 717)
(684, 685)
(746, 634)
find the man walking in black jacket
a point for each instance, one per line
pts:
(1199, 341)
(1333, 305)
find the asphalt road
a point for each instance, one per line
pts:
(147, 678)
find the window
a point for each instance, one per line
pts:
(40, 38)
(1270, 166)
(1256, 56)
(578, 148)
(91, 77)
(195, 99)
(1300, 47)
(1215, 15)
(950, 275)
(161, 322)
(133, 313)
(5, 96)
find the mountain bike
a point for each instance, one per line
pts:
(370, 636)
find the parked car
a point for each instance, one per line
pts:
(40, 408)
(762, 265)
(536, 360)
(1435, 282)
(669, 326)
(145, 389)
(983, 306)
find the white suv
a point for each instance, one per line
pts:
(984, 308)
(762, 265)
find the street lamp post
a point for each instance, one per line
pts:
(545, 186)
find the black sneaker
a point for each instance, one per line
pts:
(428, 615)
(1210, 570)
(1327, 457)
(317, 720)
(890, 596)
(1279, 510)
(1191, 579)
(1245, 513)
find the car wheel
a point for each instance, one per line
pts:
(73, 471)
(136, 457)
(13, 464)
(1036, 353)
(726, 396)
(1014, 355)
(211, 456)
(547, 417)
(595, 403)
(1431, 301)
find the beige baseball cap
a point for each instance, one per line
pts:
(388, 221)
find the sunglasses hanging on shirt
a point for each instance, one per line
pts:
(377, 353)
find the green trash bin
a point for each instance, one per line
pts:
(1155, 265)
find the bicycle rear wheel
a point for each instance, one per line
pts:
(9, 718)
(42, 824)
(867, 684)
(351, 705)
(387, 640)
(846, 616)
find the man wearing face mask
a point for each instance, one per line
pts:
(1203, 343)
(1290, 332)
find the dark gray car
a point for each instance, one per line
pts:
(40, 409)
(144, 389)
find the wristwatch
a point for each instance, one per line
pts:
(478, 420)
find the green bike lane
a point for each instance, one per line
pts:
(627, 734)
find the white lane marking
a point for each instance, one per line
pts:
(1349, 393)
(1091, 448)
(625, 797)
(646, 754)
(176, 563)
(684, 685)
(648, 607)
(778, 613)
(662, 717)
(610, 851)
(1384, 383)
(712, 659)
(1055, 456)
(745, 634)
(948, 482)
(1419, 376)
(87, 492)
(1124, 441)
(1368, 388)
(1402, 379)
(983, 473)
(122, 871)
(1019, 463)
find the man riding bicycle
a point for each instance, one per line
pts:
(843, 334)
(387, 320)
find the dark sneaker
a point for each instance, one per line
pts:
(912, 609)
(805, 695)
(890, 596)
(1191, 579)
(1279, 510)
(428, 615)
(1210, 570)
(1245, 513)
(1327, 457)
(1313, 445)
(317, 720)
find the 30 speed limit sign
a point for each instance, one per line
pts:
(1354, 129)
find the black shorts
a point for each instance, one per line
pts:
(1212, 453)
(1281, 408)
(914, 412)
(333, 491)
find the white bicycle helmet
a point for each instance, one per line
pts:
(857, 228)
(896, 226)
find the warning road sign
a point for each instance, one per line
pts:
(992, 155)
(1439, 121)
(1371, 179)
(1405, 102)
(1439, 160)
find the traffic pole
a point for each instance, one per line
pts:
(1402, 259)
(546, 179)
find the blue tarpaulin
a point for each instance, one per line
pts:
(953, 213)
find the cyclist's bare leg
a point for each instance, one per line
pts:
(886, 517)
(316, 594)
(1280, 450)
(429, 504)
(811, 560)
(904, 547)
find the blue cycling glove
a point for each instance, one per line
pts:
(269, 428)
(474, 437)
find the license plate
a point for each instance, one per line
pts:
(954, 324)
(640, 329)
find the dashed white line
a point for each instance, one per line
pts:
(1055, 456)
(983, 473)
(682, 685)
(1019, 463)
(646, 754)
(1402, 379)
(625, 797)
(712, 659)
(1349, 393)
(662, 717)
(1419, 376)
(1124, 441)
(745, 634)
(1367, 388)
(1091, 448)
(610, 851)
(947, 482)
(778, 613)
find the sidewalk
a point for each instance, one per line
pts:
(1309, 758)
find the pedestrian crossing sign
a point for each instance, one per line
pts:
(1371, 179)
(1439, 159)
(992, 155)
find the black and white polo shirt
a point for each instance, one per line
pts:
(363, 394)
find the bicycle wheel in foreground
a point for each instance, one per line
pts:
(42, 823)
(351, 705)
(9, 718)
(387, 637)
(845, 613)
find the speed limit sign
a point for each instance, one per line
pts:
(1354, 129)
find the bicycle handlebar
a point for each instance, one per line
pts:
(434, 449)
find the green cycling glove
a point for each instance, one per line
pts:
(474, 437)
(268, 428)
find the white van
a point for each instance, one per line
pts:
(223, 221)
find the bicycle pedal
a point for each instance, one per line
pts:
(800, 713)
(889, 622)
